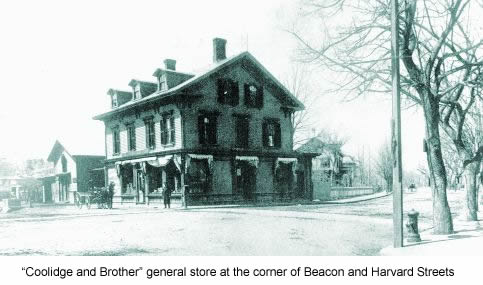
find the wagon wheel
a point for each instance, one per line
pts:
(78, 201)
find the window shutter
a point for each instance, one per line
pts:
(201, 129)
(163, 130)
(220, 87)
(247, 94)
(278, 135)
(265, 133)
(172, 129)
(259, 99)
(212, 130)
(235, 93)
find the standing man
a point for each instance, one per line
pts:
(167, 196)
(110, 194)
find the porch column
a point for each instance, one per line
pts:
(184, 201)
(43, 194)
(147, 179)
(163, 176)
(135, 182)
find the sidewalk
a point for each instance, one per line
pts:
(467, 240)
(358, 198)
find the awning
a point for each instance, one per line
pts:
(133, 161)
(287, 160)
(160, 161)
(253, 160)
(208, 157)
(201, 156)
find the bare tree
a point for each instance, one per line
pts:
(297, 82)
(451, 162)
(439, 60)
(384, 164)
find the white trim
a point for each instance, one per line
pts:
(250, 159)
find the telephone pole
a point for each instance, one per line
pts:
(397, 192)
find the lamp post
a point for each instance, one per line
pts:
(396, 129)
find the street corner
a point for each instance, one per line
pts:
(466, 240)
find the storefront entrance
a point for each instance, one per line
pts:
(245, 179)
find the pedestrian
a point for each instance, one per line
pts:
(167, 197)
(110, 194)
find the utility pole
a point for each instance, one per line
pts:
(397, 192)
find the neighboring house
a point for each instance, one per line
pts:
(11, 186)
(70, 173)
(225, 134)
(331, 165)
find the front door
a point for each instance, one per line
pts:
(246, 179)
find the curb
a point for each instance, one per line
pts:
(355, 200)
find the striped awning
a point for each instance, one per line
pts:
(160, 161)
(253, 160)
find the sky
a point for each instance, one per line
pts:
(59, 58)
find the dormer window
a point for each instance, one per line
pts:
(227, 92)
(162, 85)
(137, 92)
(253, 96)
(162, 82)
(114, 103)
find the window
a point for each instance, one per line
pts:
(227, 92)
(271, 133)
(168, 131)
(207, 128)
(325, 163)
(162, 82)
(242, 131)
(137, 92)
(114, 101)
(199, 176)
(150, 136)
(253, 96)
(64, 164)
(131, 136)
(116, 142)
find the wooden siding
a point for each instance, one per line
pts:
(226, 122)
(141, 132)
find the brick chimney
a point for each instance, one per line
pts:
(170, 64)
(219, 49)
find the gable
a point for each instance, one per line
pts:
(56, 152)
(247, 61)
(239, 75)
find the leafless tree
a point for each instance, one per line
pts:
(332, 137)
(384, 164)
(297, 82)
(440, 64)
(451, 161)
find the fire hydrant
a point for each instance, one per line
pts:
(412, 226)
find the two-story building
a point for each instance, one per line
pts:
(70, 173)
(220, 136)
